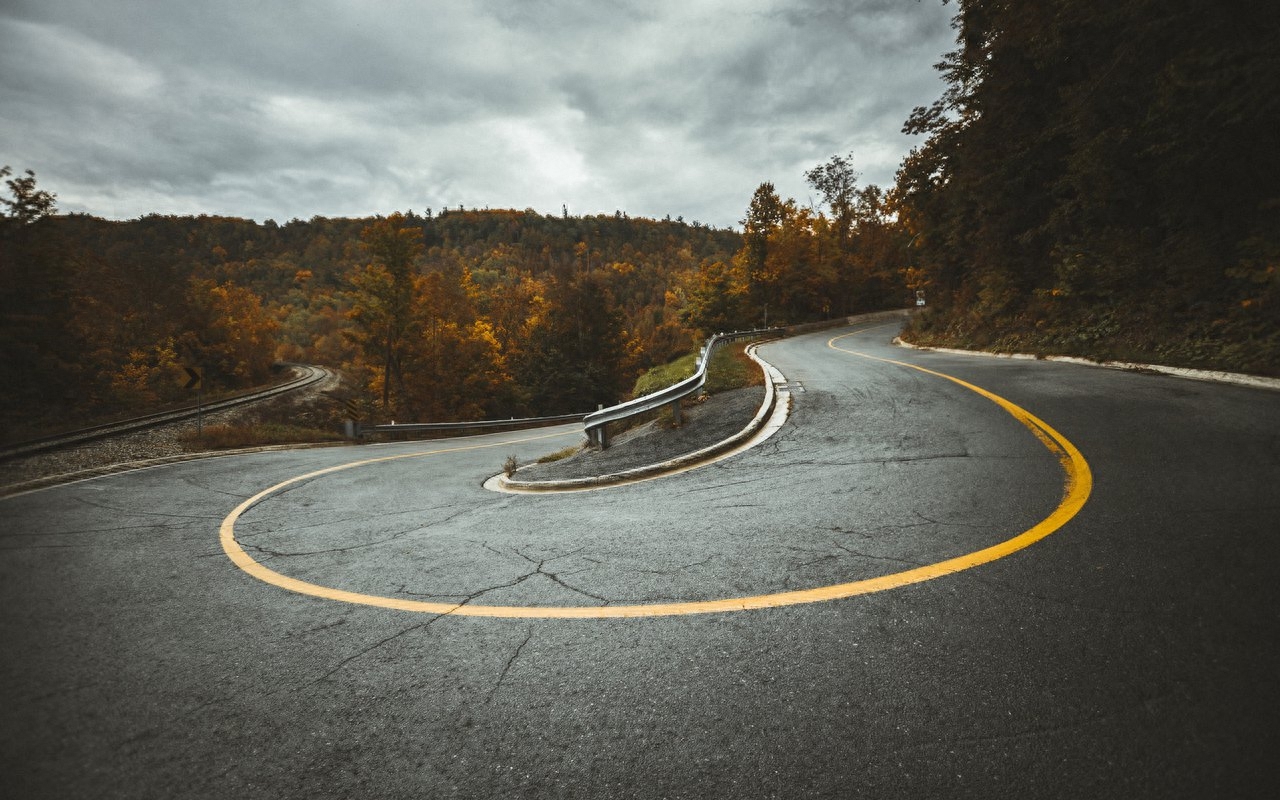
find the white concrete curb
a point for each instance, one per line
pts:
(1236, 378)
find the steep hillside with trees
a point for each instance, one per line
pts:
(801, 264)
(1101, 178)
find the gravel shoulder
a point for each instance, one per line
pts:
(709, 422)
(130, 449)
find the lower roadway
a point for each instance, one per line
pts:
(1130, 651)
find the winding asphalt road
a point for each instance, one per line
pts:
(393, 629)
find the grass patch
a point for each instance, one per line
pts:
(231, 437)
(665, 375)
(559, 455)
(730, 368)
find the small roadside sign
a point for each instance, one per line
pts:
(196, 381)
(353, 410)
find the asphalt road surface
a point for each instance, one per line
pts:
(1105, 622)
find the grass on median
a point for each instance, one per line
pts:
(730, 368)
(560, 455)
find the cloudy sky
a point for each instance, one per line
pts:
(289, 110)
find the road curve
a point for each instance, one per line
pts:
(305, 375)
(1129, 651)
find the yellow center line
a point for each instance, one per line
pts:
(1077, 485)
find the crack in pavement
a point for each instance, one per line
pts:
(373, 647)
(83, 531)
(329, 520)
(860, 462)
(673, 570)
(870, 557)
(932, 521)
(191, 481)
(718, 486)
(502, 676)
(538, 570)
(555, 576)
(850, 532)
(282, 554)
(142, 513)
(65, 691)
(818, 560)
(316, 629)
(22, 547)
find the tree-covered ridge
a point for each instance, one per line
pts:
(1102, 177)
(449, 316)
(492, 313)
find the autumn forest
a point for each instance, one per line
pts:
(454, 315)
(1098, 179)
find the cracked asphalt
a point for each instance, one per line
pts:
(1132, 653)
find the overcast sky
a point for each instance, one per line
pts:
(289, 110)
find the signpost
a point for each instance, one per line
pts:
(352, 427)
(196, 381)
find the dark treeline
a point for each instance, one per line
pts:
(1102, 177)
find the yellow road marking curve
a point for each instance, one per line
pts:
(1077, 485)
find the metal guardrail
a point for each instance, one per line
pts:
(310, 375)
(424, 427)
(596, 423)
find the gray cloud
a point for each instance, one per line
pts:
(351, 108)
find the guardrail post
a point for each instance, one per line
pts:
(600, 437)
(676, 420)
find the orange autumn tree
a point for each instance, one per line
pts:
(453, 359)
(383, 298)
(229, 333)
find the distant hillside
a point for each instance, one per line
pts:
(101, 315)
